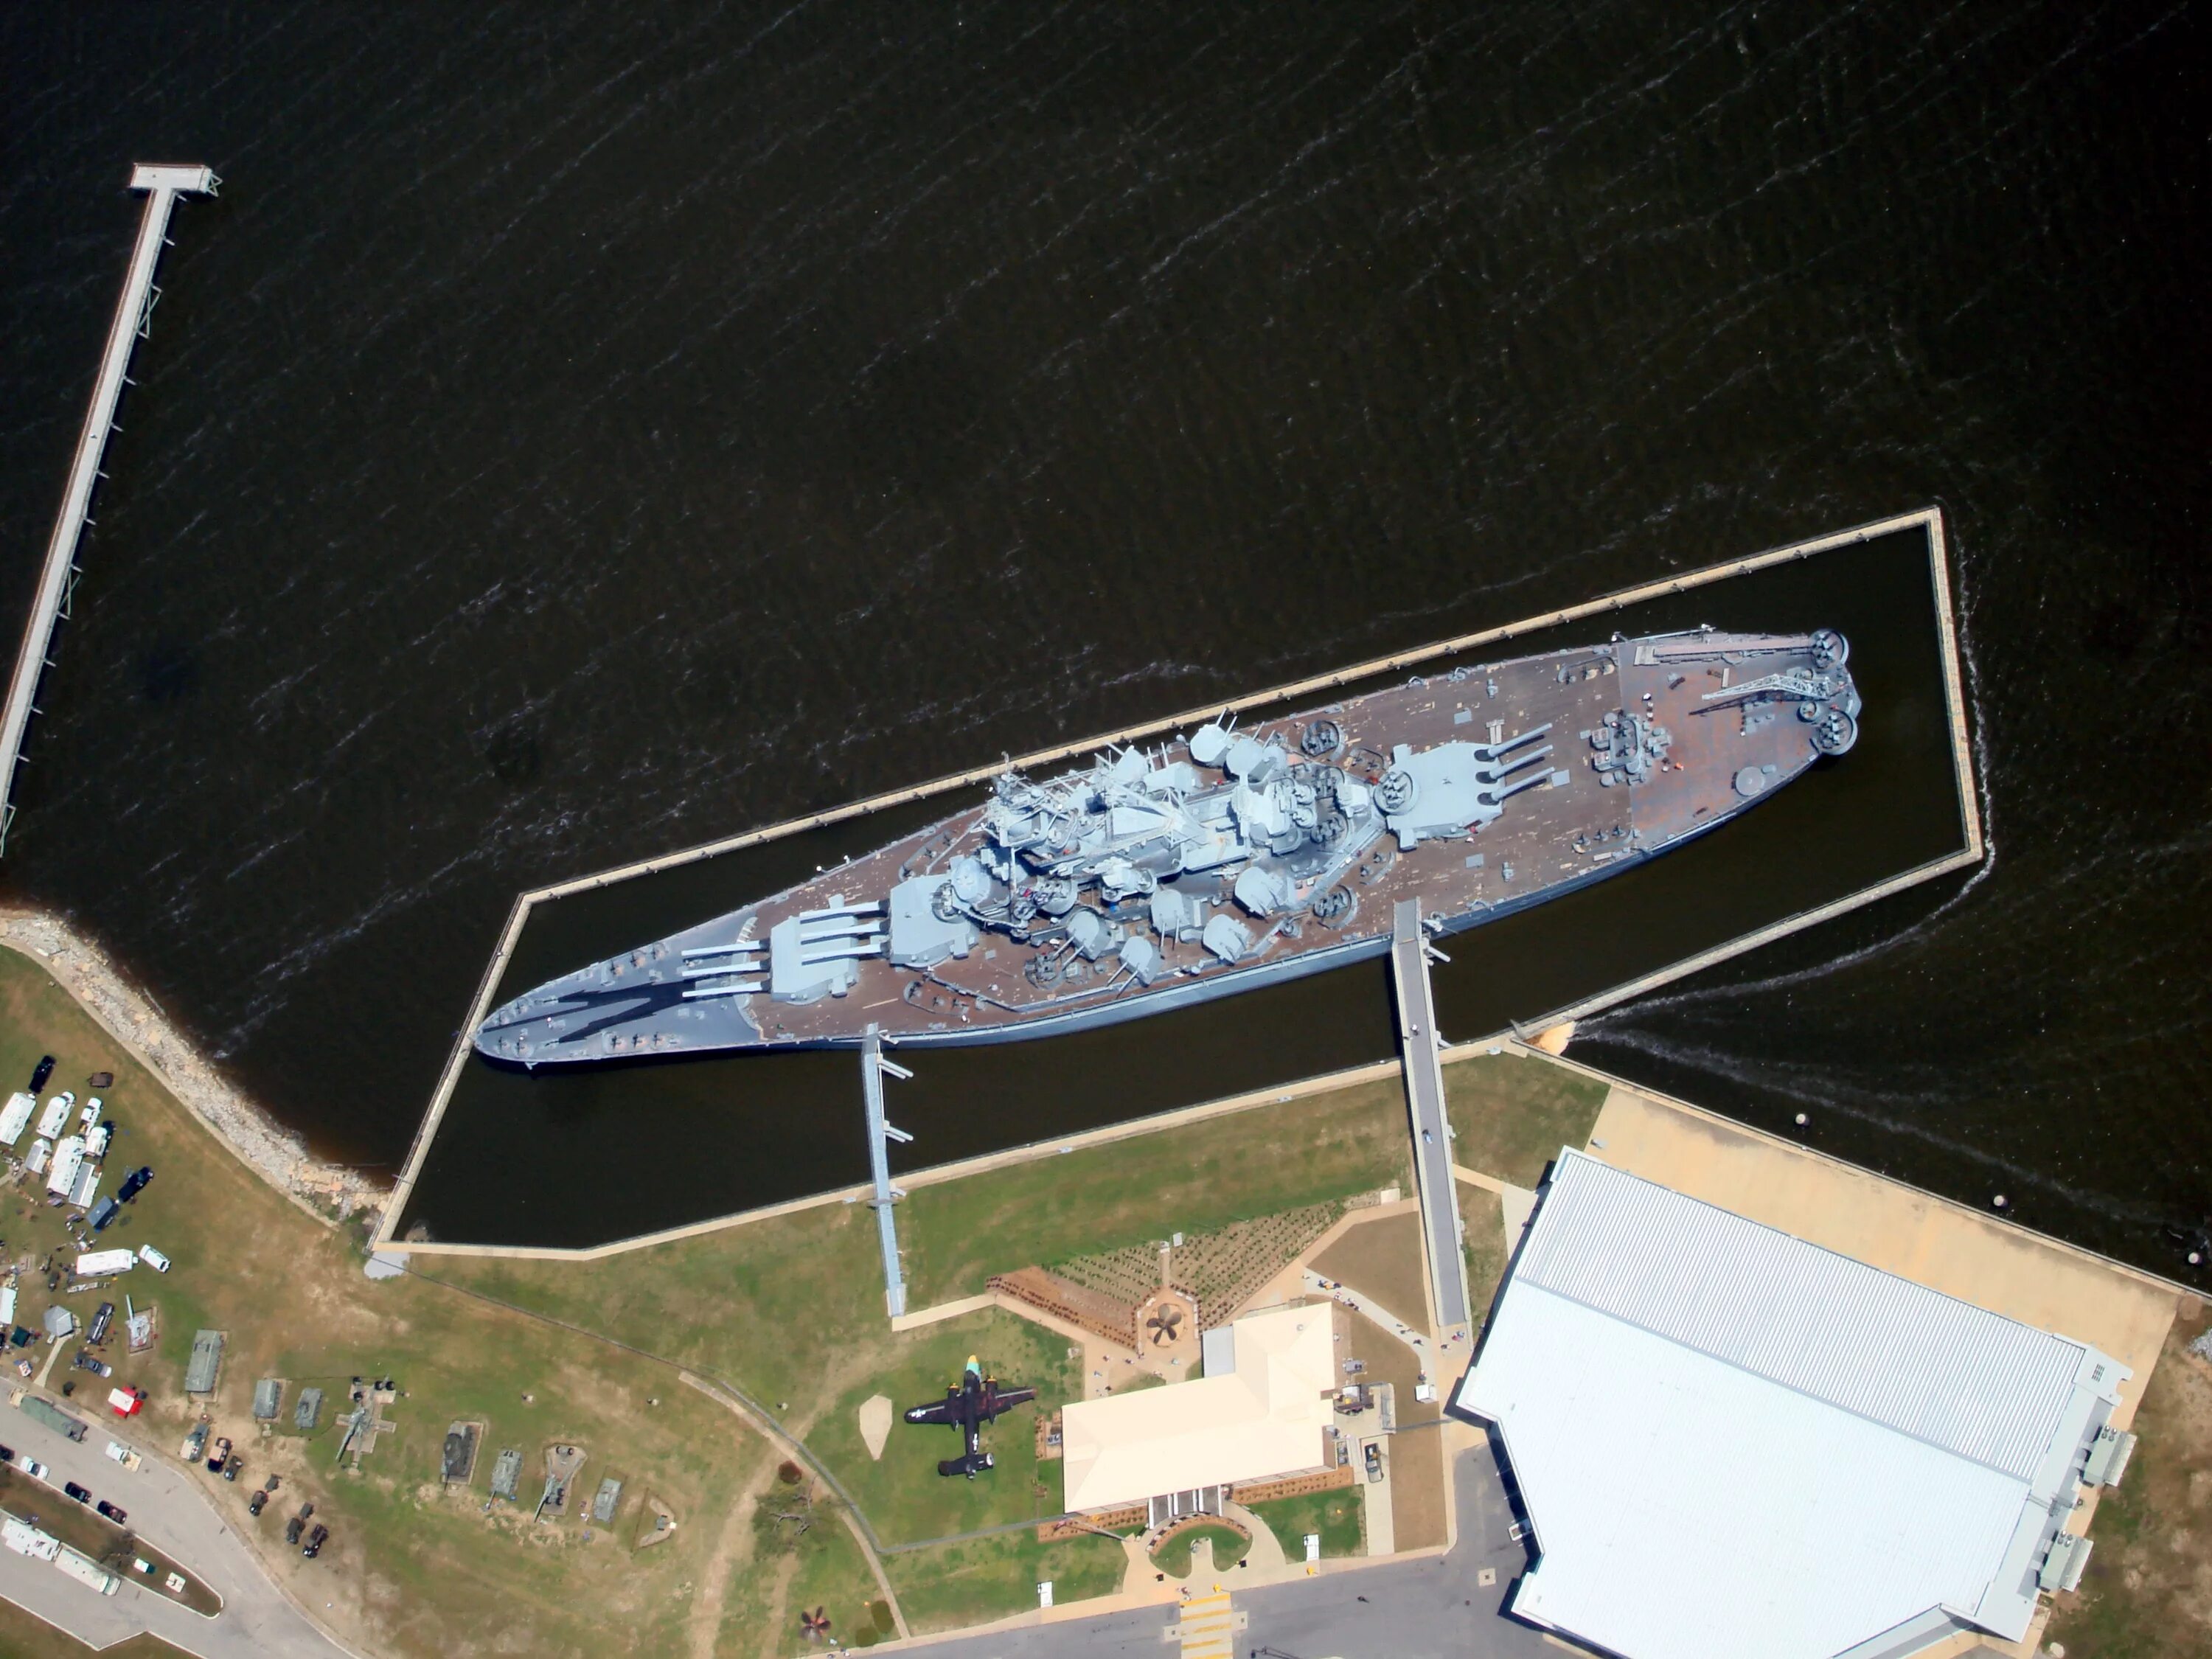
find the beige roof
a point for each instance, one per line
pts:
(1267, 1417)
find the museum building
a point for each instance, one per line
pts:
(1262, 1410)
(1730, 1443)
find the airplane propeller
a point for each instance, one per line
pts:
(815, 1624)
(1166, 1326)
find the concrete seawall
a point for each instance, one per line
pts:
(1927, 520)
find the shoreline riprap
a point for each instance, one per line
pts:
(134, 1020)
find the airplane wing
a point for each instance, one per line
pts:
(946, 1410)
(1004, 1400)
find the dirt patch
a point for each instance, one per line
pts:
(2149, 1587)
(1417, 1489)
(1382, 1260)
(875, 1414)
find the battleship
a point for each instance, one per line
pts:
(1228, 859)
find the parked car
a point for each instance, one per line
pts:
(315, 1542)
(134, 1183)
(103, 1212)
(113, 1512)
(195, 1442)
(82, 1494)
(86, 1360)
(44, 1070)
(103, 1318)
(256, 1504)
(7, 1454)
(293, 1528)
(35, 1469)
(1374, 1459)
(231, 1466)
(221, 1455)
(153, 1258)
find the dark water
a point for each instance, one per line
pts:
(776, 1126)
(576, 432)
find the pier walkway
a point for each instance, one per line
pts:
(873, 1069)
(162, 185)
(1424, 1096)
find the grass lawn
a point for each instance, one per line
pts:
(772, 1306)
(412, 1567)
(2147, 1592)
(1333, 1514)
(25, 1637)
(793, 1572)
(1230, 1543)
(903, 1495)
(949, 1585)
(1482, 1227)
(1510, 1114)
(1195, 1178)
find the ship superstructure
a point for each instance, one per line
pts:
(1230, 857)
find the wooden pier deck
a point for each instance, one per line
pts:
(58, 577)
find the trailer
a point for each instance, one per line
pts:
(52, 1416)
(97, 1264)
(15, 1117)
(69, 1159)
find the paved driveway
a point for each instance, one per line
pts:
(169, 1513)
(1431, 1609)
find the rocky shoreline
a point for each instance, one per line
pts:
(131, 1017)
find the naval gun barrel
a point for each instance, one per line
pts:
(1517, 740)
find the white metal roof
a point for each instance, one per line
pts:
(1733, 1442)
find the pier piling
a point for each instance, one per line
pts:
(133, 321)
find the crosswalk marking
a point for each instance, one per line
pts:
(1208, 1628)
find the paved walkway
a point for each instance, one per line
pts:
(1437, 1608)
(171, 1515)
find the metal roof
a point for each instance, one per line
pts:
(1269, 1415)
(1846, 1454)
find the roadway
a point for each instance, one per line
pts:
(1433, 1608)
(169, 1512)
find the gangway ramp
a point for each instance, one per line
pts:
(1417, 1047)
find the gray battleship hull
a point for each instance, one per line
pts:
(1227, 860)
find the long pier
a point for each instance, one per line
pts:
(57, 580)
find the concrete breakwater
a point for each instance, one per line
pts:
(135, 1021)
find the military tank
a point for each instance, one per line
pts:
(1231, 858)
